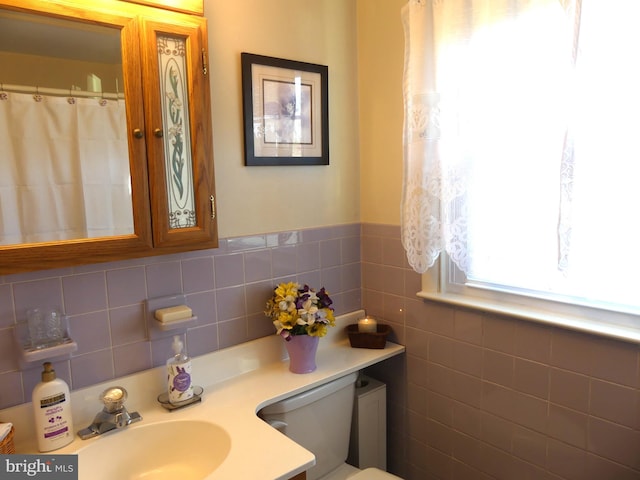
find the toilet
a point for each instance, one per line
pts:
(320, 420)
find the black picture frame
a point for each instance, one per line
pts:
(286, 111)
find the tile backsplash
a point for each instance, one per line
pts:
(226, 287)
(477, 395)
(486, 396)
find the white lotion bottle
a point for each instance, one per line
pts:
(52, 410)
(179, 383)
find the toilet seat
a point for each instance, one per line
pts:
(373, 474)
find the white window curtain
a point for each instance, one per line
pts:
(64, 172)
(478, 92)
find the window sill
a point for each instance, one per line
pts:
(617, 332)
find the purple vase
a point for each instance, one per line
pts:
(302, 353)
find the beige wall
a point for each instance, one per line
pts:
(380, 65)
(362, 43)
(266, 199)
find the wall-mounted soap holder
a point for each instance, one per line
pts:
(158, 329)
(178, 324)
(60, 346)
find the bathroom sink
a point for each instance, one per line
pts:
(184, 449)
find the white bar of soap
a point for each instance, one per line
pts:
(171, 314)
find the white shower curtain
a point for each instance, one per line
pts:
(64, 168)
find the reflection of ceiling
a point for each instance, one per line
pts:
(46, 36)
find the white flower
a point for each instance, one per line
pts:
(308, 312)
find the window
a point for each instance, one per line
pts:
(531, 120)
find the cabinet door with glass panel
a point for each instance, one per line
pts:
(178, 121)
(108, 151)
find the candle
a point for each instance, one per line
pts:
(367, 325)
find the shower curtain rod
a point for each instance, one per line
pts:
(59, 92)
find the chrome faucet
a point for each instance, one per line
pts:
(113, 416)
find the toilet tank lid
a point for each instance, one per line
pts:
(310, 396)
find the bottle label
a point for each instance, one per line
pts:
(52, 400)
(56, 423)
(182, 381)
(179, 382)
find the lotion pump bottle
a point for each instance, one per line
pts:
(52, 409)
(179, 383)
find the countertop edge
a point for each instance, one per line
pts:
(237, 382)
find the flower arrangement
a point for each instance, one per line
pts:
(297, 310)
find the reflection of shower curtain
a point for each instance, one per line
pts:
(64, 168)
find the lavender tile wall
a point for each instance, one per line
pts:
(482, 396)
(227, 289)
(476, 396)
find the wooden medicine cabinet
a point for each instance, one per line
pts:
(155, 172)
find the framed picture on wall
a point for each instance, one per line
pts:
(286, 112)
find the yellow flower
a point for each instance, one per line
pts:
(286, 291)
(287, 320)
(317, 330)
(330, 317)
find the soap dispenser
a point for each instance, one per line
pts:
(179, 383)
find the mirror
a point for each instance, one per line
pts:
(65, 170)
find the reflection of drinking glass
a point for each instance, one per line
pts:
(45, 327)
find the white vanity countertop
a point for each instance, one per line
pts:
(238, 381)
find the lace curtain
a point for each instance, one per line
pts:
(64, 172)
(447, 65)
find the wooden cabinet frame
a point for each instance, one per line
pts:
(151, 236)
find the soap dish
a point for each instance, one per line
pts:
(163, 398)
(175, 324)
(175, 327)
(56, 349)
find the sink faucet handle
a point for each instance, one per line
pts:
(113, 416)
(113, 398)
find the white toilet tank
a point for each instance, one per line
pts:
(319, 420)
